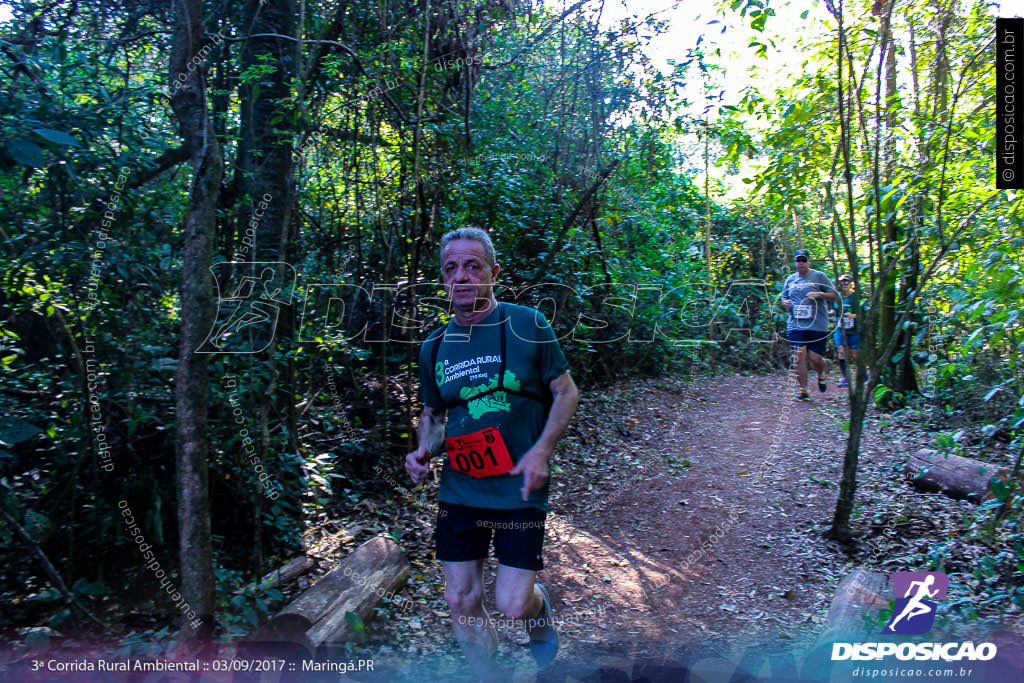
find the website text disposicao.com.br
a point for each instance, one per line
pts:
(919, 652)
(887, 674)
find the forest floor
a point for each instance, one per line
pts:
(687, 521)
(685, 515)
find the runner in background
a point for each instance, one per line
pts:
(805, 294)
(847, 326)
(498, 374)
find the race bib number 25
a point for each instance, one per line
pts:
(480, 454)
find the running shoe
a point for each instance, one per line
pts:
(822, 385)
(803, 395)
(543, 635)
(843, 382)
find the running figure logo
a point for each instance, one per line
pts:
(914, 612)
(246, 320)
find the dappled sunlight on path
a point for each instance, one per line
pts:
(723, 534)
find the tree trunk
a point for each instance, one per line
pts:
(906, 376)
(893, 233)
(840, 529)
(268, 126)
(707, 206)
(192, 111)
(848, 482)
(798, 229)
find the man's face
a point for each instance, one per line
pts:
(466, 274)
(803, 264)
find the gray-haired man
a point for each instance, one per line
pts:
(499, 375)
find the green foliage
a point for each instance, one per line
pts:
(355, 623)
(558, 137)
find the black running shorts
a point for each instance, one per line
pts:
(463, 533)
(812, 339)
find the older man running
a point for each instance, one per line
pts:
(499, 375)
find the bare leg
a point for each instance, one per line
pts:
(516, 593)
(522, 601)
(818, 361)
(801, 366)
(464, 591)
(853, 359)
(841, 352)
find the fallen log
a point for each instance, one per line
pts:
(955, 476)
(855, 605)
(853, 615)
(318, 616)
(282, 575)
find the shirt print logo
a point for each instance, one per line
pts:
(496, 401)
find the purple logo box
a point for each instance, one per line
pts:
(901, 584)
(915, 597)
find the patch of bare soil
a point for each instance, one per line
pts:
(673, 519)
(724, 537)
(689, 513)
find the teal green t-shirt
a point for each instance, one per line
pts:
(468, 361)
(846, 306)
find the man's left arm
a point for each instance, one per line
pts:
(827, 291)
(534, 463)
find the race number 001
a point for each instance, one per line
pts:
(473, 460)
(480, 454)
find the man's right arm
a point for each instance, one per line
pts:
(431, 439)
(431, 430)
(784, 297)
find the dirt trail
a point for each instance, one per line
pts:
(725, 546)
(675, 515)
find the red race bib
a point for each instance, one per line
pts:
(480, 454)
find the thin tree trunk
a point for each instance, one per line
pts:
(848, 483)
(848, 486)
(191, 389)
(906, 377)
(798, 229)
(892, 233)
(707, 205)
(423, 223)
(269, 125)
(268, 128)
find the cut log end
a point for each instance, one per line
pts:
(859, 597)
(318, 616)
